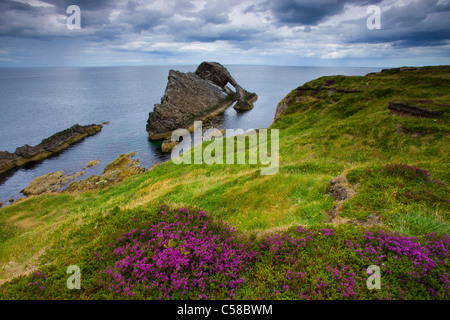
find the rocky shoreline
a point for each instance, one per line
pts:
(118, 170)
(188, 97)
(54, 144)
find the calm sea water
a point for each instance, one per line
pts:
(38, 102)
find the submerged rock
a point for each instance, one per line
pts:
(91, 164)
(195, 96)
(54, 144)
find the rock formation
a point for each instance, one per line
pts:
(342, 192)
(50, 182)
(196, 96)
(120, 169)
(168, 145)
(47, 147)
(219, 75)
(405, 110)
(91, 164)
(280, 108)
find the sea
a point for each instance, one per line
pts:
(35, 103)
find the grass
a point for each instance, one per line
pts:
(322, 136)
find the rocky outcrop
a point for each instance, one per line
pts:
(168, 145)
(405, 110)
(120, 169)
(50, 182)
(219, 75)
(47, 147)
(91, 164)
(280, 108)
(342, 192)
(195, 96)
(246, 102)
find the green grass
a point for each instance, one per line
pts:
(319, 140)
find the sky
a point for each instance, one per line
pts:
(35, 33)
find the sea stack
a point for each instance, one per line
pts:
(196, 96)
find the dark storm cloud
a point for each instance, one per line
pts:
(94, 12)
(418, 23)
(13, 5)
(215, 12)
(16, 18)
(310, 12)
(413, 13)
(19, 19)
(228, 35)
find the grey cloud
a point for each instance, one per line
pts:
(418, 23)
(411, 14)
(216, 12)
(310, 12)
(88, 5)
(14, 5)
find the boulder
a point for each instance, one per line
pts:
(195, 96)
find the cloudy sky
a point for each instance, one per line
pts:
(175, 32)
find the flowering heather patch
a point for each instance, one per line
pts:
(412, 172)
(318, 263)
(187, 255)
(38, 285)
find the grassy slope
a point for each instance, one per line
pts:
(321, 137)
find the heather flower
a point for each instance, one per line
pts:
(179, 256)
